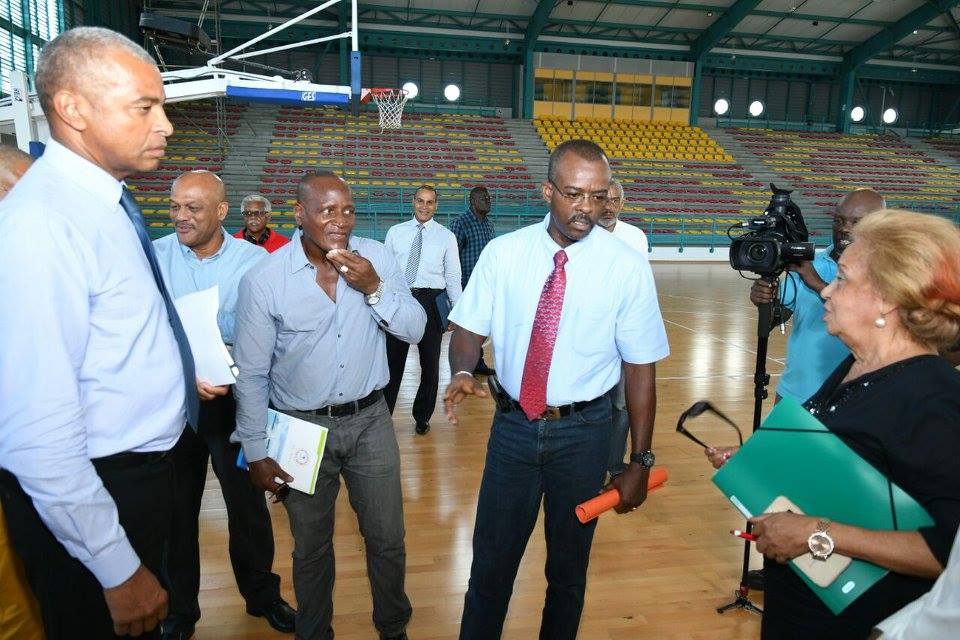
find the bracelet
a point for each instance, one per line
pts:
(469, 373)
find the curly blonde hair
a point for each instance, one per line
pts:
(914, 261)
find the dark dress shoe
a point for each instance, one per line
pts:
(402, 636)
(177, 631)
(279, 615)
(422, 428)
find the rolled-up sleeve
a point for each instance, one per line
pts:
(256, 338)
(640, 334)
(45, 320)
(397, 312)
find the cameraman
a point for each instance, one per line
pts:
(812, 354)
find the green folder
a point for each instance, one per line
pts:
(794, 455)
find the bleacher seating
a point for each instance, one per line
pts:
(946, 146)
(824, 166)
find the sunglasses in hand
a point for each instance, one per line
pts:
(698, 409)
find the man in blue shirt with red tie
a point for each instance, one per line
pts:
(585, 305)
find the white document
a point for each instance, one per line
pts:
(297, 446)
(198, 313)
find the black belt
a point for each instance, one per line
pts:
(550, 413)
(347, 408)
(128, 459)
(421, 290)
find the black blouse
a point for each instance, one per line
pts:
(904, 419)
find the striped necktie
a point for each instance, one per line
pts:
(543, 337)
(132, 209)
(413, 261)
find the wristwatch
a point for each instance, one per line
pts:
(820, 542)
(645, 459)
(374, 298)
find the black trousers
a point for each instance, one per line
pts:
(251, 533)
(429, 348)
(71, 600)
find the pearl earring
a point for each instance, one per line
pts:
(880, 322)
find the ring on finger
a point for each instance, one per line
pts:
(344, 268)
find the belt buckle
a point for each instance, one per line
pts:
(551, 413)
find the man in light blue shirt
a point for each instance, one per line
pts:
(91, 376)
(201, 255)
(427, 252)
(311, 325)
(812, 353)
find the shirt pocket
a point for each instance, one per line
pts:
(303, 318)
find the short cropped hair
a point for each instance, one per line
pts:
(256, 197)
(914, 261)
(584, 149)
(616, 184)
(307, 178)
(73, 59)
(425, 187)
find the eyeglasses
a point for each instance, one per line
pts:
(580, 197)
(255, 214)
(697, 409)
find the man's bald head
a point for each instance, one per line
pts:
(861, 202)
(78, 60)
(319, 180)
(198, 207)
(852, 208)
(13, 164)
(206, 180)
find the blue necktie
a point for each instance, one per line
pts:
(132, 209)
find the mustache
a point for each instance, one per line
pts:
(580, 218)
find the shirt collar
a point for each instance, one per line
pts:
(188, 252)
(426, 225)
(828, 252)
(574, 249)
(82, 172)
(257, 241)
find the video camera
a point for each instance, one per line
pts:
(773, 240)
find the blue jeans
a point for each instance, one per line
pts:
(562, 462)
(621, 428)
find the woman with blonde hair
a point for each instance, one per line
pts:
(895, 303)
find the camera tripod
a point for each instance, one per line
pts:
(768, 314)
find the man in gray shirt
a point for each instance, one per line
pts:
(311, 330)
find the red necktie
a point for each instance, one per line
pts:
(536, 368)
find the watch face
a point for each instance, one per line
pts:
(647, 459)
(821, 545)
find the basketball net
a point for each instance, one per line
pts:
(390, 102)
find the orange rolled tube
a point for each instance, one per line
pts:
(607, 500)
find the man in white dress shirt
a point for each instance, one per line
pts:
(95, 366)
(427, 252)
(637, 240)
(565, 306)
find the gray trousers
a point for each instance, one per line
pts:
(363, 449)
(621, 428)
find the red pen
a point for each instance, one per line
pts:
(743, 534)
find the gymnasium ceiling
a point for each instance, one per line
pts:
(849, 32)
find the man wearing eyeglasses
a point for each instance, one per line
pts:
(565, 307)
(201, 255)
(637, 240)
(812, 353)
(311, 327)
(256, 224)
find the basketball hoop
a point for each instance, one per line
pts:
(390, 102)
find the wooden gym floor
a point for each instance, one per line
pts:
(659, 572)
